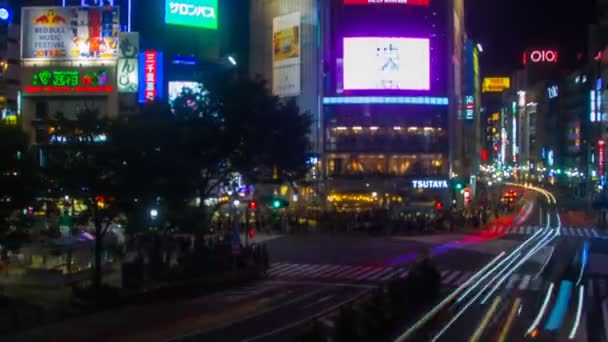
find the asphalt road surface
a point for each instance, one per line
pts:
(311, 276)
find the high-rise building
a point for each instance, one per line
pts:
(9, 63)
(384, 82)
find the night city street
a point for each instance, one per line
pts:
(303, 170)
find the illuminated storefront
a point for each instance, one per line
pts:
(69, 57)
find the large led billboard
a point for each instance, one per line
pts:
(176, 88)
(69, 32)
(383, 63)
(392, 2)
(192, 13)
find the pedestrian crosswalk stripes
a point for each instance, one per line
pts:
(583, 232)
(377, 274)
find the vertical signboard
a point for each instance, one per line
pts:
(151, 76)
(286, 59)
(69, 32)
(601, 153)
(127, 67)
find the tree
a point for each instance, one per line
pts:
(85, 167)
(235, 124)
(19, 179)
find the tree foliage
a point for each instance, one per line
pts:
(18, 172)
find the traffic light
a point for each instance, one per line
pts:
(438, 206)
(253, 205)
(458, 184)
(251, 233)
(279, 203)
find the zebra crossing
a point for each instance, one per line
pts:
(586, 233)
(449, 278)
(286, 271)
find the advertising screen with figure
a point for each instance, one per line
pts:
(70, 32)
(378, 63)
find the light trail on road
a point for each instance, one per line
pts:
(542, 311)
(579, 311)
(414, 327)
(484, 322)
(507, 326)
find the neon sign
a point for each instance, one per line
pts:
(470, 107)
(541, 56)
(601, 151)
(5, 14)
(67, 81)
(192, 13)
(150, 58)
(151, 73)
(388, 2)
(430, 184)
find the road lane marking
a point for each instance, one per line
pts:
(525, 282)
(348, 272)
(302, 321)
(392, 274)
(319, 270)
(370, 273)
(404, 274)
(295, 271)
(595, 234)
(484, 322)
(329, 271)
(451, 277)
(463, 278)
(514, 278)
(280, 268)
(382, 274)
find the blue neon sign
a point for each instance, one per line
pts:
(5, 14)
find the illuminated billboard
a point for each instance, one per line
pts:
(377, 63)
(495, 84)
(286, 56)
(69, 32)
(176, 88)
(192, 13)
(390, 2)
(151, 73)
(69, 81)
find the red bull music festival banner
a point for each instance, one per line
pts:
(70, 32)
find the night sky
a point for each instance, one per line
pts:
(507, 27)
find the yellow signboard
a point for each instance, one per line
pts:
(495, 84)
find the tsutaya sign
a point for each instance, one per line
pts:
(430, 184)
(192, 13)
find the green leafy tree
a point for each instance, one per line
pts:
(19, 179)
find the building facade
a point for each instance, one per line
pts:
(9, 65)
(382, 81)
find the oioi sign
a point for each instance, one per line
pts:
(192, 13)
(541, 56)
